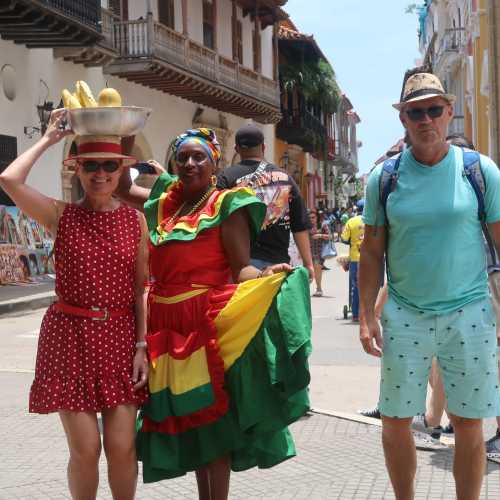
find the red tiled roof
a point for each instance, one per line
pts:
(286, 32)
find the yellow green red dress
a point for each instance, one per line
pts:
(228, 362)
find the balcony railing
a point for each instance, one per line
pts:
(107, 21)
(85, 11)
(450, 45)
(51, 23)
(302, 128)
(453, 40)
(145, 38)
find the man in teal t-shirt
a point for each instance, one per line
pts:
(439, 304)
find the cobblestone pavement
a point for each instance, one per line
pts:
(337, 459)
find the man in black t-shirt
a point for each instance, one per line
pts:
(285, 208)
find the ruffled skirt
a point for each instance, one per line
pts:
(228, 374)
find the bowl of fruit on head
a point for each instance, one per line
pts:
(104, 116)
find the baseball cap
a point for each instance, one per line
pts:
(249, 136)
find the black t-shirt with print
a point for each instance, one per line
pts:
(285, 208)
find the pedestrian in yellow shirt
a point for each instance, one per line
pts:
(353, 235)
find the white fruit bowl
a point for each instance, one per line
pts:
(122, 121)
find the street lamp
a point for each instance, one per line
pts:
(284, 161)
(43, 111)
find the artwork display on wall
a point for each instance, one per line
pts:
(26, 248)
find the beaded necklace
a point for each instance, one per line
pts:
(195, 207)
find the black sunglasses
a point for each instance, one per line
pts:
(418, 114)
(109, 166)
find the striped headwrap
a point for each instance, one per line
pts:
(205, 137)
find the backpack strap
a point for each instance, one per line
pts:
(387, 184)
(474, 174)
(388, 181)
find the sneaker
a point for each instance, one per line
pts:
(448, 429)
(493, 444)
(373, 413)
(420, 424)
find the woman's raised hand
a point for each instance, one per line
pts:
(159, 169)
(56, 129)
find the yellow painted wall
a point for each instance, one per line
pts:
(280, 147)
(279, 150)
(481, 102)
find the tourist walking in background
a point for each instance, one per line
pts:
(318, 235)
(352, 235)
(91, 352)
(446, 313)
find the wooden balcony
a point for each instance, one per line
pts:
(301, 128)
(451, 50)
(158, 57)
(50, 23)
(97, 54)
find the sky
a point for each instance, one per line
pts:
(370, 44)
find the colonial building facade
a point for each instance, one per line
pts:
(460, 40)
(194, 62)
(316, 137)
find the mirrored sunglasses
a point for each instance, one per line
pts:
(418, 114)
(109, 166)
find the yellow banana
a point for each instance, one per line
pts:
(85, 95)
(75, 96)
(69, 100)
(109, 97)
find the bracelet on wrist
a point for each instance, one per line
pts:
(141, 344)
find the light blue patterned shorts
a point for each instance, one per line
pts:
(464, 343)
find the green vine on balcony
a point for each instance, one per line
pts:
(315, 80)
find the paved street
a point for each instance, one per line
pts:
(337, 458)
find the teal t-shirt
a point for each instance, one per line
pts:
(436, 254)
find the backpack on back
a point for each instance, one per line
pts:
(471, 170)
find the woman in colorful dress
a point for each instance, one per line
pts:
(91, 352)
(228, 343)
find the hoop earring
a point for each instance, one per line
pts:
(213, 180)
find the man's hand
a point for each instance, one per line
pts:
(371, 337)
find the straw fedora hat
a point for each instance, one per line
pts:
(101, 147)
(422, 86)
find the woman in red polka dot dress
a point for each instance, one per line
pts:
(91, 353)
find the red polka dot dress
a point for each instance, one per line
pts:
(83, 364)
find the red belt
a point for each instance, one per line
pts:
(94, 313)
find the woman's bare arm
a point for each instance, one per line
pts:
(130, 193)
(236, 241)
(44, 209)
(140, 368)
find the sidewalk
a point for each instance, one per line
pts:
(25, 296)
(337, 459)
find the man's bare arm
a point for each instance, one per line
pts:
(370, 271)
(130, 193)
